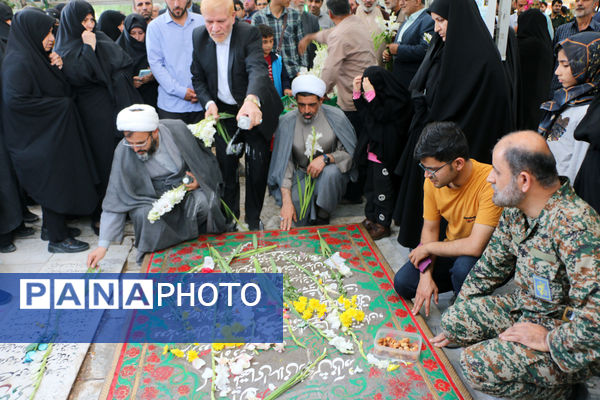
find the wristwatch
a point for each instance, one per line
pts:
(326, 159)
(253, 99)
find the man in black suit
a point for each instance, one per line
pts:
(229, 74)
(410, 45)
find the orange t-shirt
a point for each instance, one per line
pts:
(470, 204)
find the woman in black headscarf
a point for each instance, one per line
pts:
(100, 71)
(384, 106)
(6, 14)
(111, 23)
(42, 130)
(133, 41)
(461, 79)
(537, 61)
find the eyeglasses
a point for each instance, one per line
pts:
(138, 145)
(432, 171)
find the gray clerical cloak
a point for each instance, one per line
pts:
(131, 190)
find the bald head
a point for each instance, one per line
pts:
(527, 151)
(212, 6)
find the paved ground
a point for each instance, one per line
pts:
(86, 382)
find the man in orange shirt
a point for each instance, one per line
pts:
(457, 191)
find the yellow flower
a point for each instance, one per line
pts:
(347, 304)
(177, 353)
(392, 367)
(192, 355)
(165, 349)
(299, 306)
(341, 299)
(313, 304)
(218, 346)
(302, 299)
(360, 316)
(307, 314)
(354, 301)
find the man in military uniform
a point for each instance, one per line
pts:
(541, 339)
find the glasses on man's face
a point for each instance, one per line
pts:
(136, 145)
(432, 171)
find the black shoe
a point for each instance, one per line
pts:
(346, 200)
(319, 221)
(69, 245)
(5, 297)
(30, 217)
(255, 226)
(72, 232)
(95, 225)
(9, 248)
(23, 231)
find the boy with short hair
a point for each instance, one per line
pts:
(277, 71)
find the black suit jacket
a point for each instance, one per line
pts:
(247, 72)
(412, 48)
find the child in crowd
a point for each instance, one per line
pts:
(277, 71)
(576, 155)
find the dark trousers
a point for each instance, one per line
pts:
(56, 225)
(257, 158)
(380, 192)
(187, 117)
(449, 273)
(354, 190)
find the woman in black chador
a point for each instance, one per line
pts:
(42, 130)
(99, 71)
(133, 41)
(111, 23)
(461, 79)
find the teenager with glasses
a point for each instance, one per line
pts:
(456, 190)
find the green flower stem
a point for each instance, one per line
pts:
(219, 259)
(310, 324)
(289, 326)
(358, 343)
(312, 276)
(325, 249)
(232, 215)
(298, 377)
(212, 385)
(40, 373)
(254, 252)
(273, 265)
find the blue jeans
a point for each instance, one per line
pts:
(449, 273)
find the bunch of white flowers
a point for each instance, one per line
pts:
(205, 130)
(319, 60)
(388, 30)
(166, 202)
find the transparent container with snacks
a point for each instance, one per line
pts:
(397, 345)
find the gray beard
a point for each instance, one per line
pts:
(143, 157)
(307, 121)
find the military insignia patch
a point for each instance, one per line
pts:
(541, 288)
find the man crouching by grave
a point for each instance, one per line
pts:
(543, 337)
(159, 158)
(312, 157)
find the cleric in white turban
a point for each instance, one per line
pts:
(154, 157)
(330, 166)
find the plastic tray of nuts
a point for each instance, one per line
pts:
(393, 344)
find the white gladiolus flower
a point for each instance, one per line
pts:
(312, 145)
(337, 262)
(343, 345)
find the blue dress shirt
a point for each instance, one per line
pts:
(169, 47)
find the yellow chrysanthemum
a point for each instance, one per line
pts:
(192, 355)
(177, 353)
(165, 349)
(218, 346)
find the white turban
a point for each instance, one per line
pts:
(137, 118)
(308, 83)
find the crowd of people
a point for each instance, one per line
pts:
(488, 164)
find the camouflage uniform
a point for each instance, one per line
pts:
(555, 259)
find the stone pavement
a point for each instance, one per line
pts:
(80, 371)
